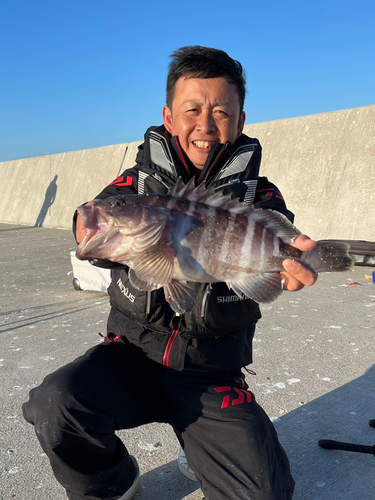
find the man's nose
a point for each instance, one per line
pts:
(206, 122)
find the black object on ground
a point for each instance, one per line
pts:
(330, 444)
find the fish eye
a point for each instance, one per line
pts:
(116, 203)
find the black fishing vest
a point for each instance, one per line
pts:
(230, 169)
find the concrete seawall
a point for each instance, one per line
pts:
(323, 164)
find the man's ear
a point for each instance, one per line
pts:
(167, 119)
(241, 124)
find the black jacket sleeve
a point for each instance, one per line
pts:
(126, 183)
(268, 196)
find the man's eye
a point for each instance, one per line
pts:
(221, 112)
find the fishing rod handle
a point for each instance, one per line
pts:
(330, 444)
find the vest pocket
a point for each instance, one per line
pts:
(134, 303)
(145, 308)
(219, 311)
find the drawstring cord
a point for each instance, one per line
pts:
(249, 371)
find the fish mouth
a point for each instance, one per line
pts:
(99, 230)
(94, 239)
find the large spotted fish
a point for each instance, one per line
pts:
(195, 234)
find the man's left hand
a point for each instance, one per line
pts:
(297, 276)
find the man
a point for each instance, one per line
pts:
(155, 366)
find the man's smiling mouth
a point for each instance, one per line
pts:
(203, 144)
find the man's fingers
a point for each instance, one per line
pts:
(297, 276)
(290, 283)
(304, 243)
(300, 272)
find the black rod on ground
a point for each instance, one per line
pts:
(330, 444)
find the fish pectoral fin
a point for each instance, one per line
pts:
(264, 287)
(155, 265)
(141, 285)
(180, 296)
(149, 236)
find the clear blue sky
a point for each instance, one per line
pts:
(82, 74)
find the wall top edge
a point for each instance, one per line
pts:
(140, 141)
(338, 111)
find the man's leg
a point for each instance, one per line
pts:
(229, 441)
(77, 409)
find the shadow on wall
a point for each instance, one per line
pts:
(49, 199)
(342, 415)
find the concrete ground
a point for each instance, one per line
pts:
(314, 364)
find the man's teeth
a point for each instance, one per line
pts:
(203, 144)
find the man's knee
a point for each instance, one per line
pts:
(67, 406)
(48, 406)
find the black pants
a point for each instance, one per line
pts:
(229, 441)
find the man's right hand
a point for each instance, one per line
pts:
(297, 275)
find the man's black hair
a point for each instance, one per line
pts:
(204, 62)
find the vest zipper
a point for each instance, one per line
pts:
(205, 298)
(159, 179)
(148, 303)
(222, 186)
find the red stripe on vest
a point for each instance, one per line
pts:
(120, 181)
(168, 350)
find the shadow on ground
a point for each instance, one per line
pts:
(167, 481)
(342, 415)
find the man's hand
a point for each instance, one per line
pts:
(298, 276)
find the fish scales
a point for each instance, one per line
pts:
(232, 258)
(190, 242)
(229, 243)
(220, 243)
(255, 255)
(195, 234)
(202, 245)
(218, 227)
(247, 246)
(215, 241)
(195, 245)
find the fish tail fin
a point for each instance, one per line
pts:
(330, 256)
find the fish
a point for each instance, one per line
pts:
(197, 234)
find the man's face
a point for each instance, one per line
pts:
(204, 110)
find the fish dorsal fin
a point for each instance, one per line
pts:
(182, 190)
(208, 196)
(270, 219)
(275, 222)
